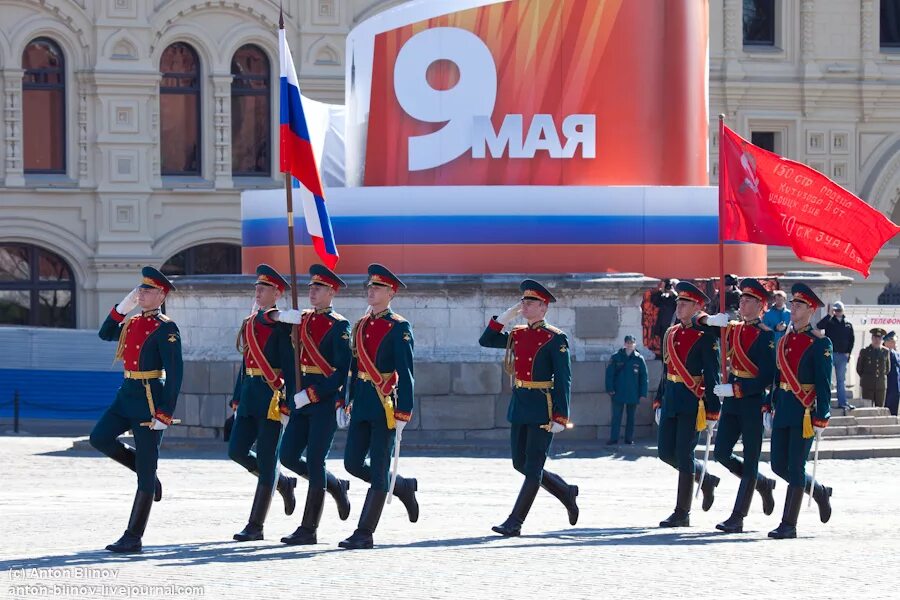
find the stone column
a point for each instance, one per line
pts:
(12, 124)
(222, 130)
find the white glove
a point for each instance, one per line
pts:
(301, 399)
(158, 425)
(343, 418)
(254, 309)
(511, 313)
(818, 430)
(290, 315)
(717, 320)
(723, 389)
(711, 426)
(557, 427)
(768, 418)
(399, 425)
(657, 415)
(285, 419)
(128, 302)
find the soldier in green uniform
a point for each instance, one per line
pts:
(381, 403)
(685, 403)
(150, 348)
(751, 347)
(263, 384)
(324, 339)
(802, 401)
(537, 359)
(873, 366)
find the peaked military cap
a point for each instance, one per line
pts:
(266, 275)
(731, 279)
(689, 291)
(752, 287)
(153, 278)
(381, 275)
(890, 336)
(532, 289)
(800, 292)
(322, 275)
(878, 332)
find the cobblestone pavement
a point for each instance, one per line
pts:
(58, 509)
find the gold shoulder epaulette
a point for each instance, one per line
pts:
(338, 316)
(818, 333)
(555, 330)
(163, 318)
(519, 327)
(397, 317)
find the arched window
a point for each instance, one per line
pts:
(44, 107)
(37, 287)
(251, 138)
(179, 110)
(205, 259)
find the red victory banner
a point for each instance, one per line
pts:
(767, 199)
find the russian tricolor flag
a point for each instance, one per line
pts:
(297, 158)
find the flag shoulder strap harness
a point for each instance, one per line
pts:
(680, 341)
(791, 349)
(310, 345)
(254, 350)
(376, 330)
(741, 337)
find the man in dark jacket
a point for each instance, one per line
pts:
(840, 332)
(626, 382)
(892, 398)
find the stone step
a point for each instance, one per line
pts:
(869, 411)
(881, 420)
(858, 402)
(840, 421)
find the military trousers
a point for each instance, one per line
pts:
(615, 424)
(266, 434)
(790, 451)
(104, 437)
(747, 425)
(372, 438)
(529, 445)
(876, 395)
(677, 440)
(312, 431)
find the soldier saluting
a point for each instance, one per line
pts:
(751, 347)
(685, 403)
(802, 402)
(263, 384)
(150, 348)
(537, 357)
(324, 338)
(381, 403)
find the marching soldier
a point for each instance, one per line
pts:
(537, 356)
(324, 338)
(873, 366)
(685, 403)
(751, 347)
(150, 348)
(264, 382)
(802, 403)
(381, 403)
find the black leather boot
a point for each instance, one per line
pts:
(130, 541)
(405, 490)
(708, 487)
(126, 457)
(682, 515)
(512, 526)
(286, 487)
(765, 487)
(563, 492)
(822, 496)
(793, 499)
(337, 488)
(312, 514)
(735, 523)
(254, 529)
(368, 521)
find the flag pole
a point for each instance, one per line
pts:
(722, 307)
(288, 192)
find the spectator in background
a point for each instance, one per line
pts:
(778, 317)
(732, 299)
(664, 300)
(873, 366)
(840, 332)
(892, 398)
(626, 382)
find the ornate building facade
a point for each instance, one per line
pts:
(130, 127)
